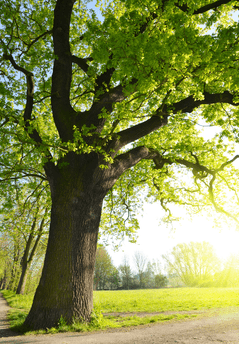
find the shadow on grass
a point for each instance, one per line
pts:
(13, 331)
(16, 318)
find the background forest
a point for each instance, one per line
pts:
(191, 265)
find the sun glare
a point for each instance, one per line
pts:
(225, 240)
(155, 240)
(159, 239)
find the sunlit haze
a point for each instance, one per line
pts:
(155, 240)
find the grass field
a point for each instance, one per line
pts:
(162, 300)
(135, 301)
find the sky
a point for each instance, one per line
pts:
(156, 239)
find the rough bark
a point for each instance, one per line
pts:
(66, 286)
(77, 189)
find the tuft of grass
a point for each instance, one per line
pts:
(136, 301)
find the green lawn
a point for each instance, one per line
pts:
(136, 301)
(161, 300)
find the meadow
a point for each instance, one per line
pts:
(114, 309)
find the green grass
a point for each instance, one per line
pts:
(162, 300)
(136, 301)
(18, 301)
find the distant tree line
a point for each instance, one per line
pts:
(197, 265)
(192, 265)
(145, 275)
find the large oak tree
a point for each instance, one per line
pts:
(95, 102)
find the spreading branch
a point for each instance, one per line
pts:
(29, 101)
(33, 133)
(140, 130)
(189, 104)
(63, 113)
(104, 101)
(4, 122)
(199, 171)
(216, 206)
(127, 160)
(48, 32)
(82, 63)
(160, 117)
(203, 9)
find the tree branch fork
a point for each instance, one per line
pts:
(129, 135)
(138, 131)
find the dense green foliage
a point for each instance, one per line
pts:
(108, 110)
(161, 54)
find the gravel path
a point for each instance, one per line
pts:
(208, 330)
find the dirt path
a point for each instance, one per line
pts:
(208, 330)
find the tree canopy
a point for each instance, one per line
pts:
(146, 66)
(107, 110)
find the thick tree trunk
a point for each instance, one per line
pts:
(66, 286)
(78, 187)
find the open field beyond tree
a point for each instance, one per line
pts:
(114, 309)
